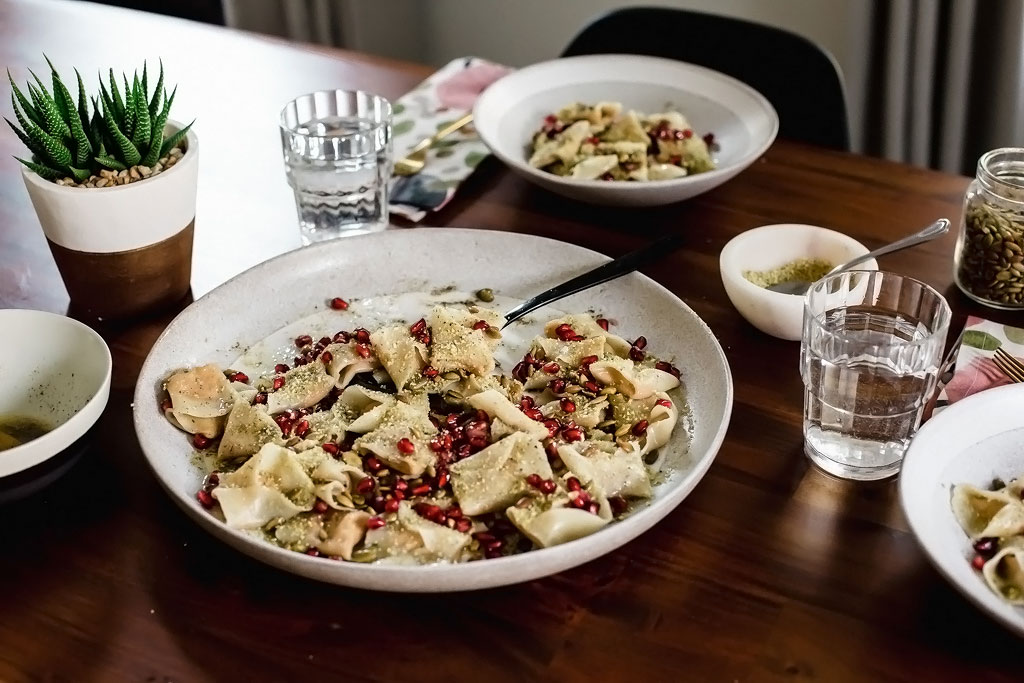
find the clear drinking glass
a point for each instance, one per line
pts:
(869, 358)
(337, 155)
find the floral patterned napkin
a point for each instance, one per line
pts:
(433, 104)
(973, 369)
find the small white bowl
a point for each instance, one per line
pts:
(57, 370)
(511, 110)
(772, 246)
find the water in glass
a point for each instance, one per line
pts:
(869, 371)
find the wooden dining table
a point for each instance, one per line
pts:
(768, 571)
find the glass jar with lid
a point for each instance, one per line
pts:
(989, 258)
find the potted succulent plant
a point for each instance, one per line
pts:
(114, 187)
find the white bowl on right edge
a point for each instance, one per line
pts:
(769, 247)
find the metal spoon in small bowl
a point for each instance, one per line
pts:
(936, 229)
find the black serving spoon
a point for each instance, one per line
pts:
(609, 271)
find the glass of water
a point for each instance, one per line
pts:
(337, 155)
(869, 358)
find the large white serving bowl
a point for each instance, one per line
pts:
(56, 370)
(971, 442)
(217, 327)
(511, 110)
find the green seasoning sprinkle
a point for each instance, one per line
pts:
(808, 270)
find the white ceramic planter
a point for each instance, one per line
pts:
(125, 249)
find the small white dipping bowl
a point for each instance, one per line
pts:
(57, 370)
(513, 108)
(772, 246)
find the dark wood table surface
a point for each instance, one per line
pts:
(768, 571)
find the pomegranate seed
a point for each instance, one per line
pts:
(166, 405)
(421, 490)
(978, 562)
(362, 335)
(987, 546)
(526, 402)
(593, 139)
(330, 447)
(283, 422)
(339, 304)
(667, 367)
(557, 386)
(240, 377)
(636, 354)
(406, 446)
(709, 139)
(424, 338)
(437, 444)
(391, 506)
(373, 464)
(592, 387)
(602, 323)
(484, 538)
(378, 503)
(200, 441)
(452, 419)
(401, 485)
(547, 486)
(399, 495)
(463, 525)
(521, 371)
(640, 343)
(430, 372)
(567, 405)
(442, 479)
(492, 554)
(463, 451)
(375, 523)
(552, 427)
(663, 402)
(687, 133)
(552, 368)
(428, 510)
(327, 357)
(480, 325)
(205, 499)
(482, 416)
(573, 484)
(365, 485)
(530, 360)
(495, 544)
(640, 428)
(260, 398)
(454, 512)
(534, 480)
(281, 367)
(303, 340)
(551, 450)
(302, 428)
(593, 508)
(418, 327)
(565, 332)
(313, 552)
(320, 507)
(618, 504)
(572, 434)
(341, 338)
(363, 350)
(534, 414)
(212, 481)
(587, 360)
(278, 382)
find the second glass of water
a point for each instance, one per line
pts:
(337, 155)
(869, 358)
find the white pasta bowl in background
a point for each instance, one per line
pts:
(742, 121)
(974, 441)
(222, 325)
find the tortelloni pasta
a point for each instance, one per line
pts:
(994, 521)
(600, 142)
(407, 445)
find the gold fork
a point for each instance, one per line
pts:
(414, 161)
(1010, 366)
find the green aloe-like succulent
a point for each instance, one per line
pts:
(122, 131)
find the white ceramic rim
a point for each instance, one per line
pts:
(453, 576)
(668, 184)
(914, 501)
(729, 254)
(186, 158)
(44, 447)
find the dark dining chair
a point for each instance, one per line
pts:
(800, 79)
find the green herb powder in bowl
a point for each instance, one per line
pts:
(808, 270)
